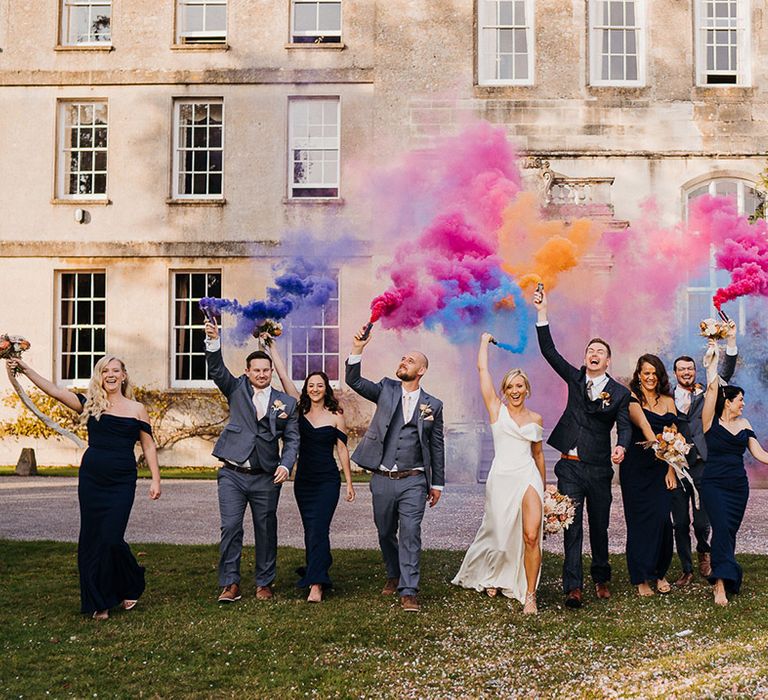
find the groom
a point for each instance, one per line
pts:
(583, 437)
(253, 465)
(403, 447)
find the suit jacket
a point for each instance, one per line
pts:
(241, 436)
(586, 424)
(695, 410)
(387, 394)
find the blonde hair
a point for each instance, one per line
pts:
(509, 376)
(96, 401)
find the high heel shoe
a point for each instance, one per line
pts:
(315, 594)
(101, 615)
(530, 604)
(644, 590)
(129, 604)
(491, 592)
(663, 586)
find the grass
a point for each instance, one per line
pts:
(179, 643)
(165, 472)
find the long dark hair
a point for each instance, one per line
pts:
(726, 393)
(662, 388)
(330, 401)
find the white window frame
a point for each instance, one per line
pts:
(298, 35)
(64, 151)
(179, 151)
(202, 36)
(325, 327)
(486, 23)
(741, 186)
(60, 327)
(307, 142)
(596, 29)
(66, 9)
(177, 383)
(742, 27)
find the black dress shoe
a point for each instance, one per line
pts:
(573, 599)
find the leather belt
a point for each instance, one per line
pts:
(570, 458)
(398, 474)
(239, 470)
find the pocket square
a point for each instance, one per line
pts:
(282, 415)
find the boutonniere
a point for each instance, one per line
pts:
(605, 397)
(278, 405)
(425, 412)
(698, 388)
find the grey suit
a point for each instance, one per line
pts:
(398, 504)
(255, 445)
(682, 496)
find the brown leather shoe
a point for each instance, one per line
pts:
(390, 587)
(230, 594)
(602, 592)
(264, 593)
(409, 603)
(705, 564)
(573, 599)
(685, 578)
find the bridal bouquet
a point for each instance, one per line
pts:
(559, 511)
(712, 329)
(670, 447)
(266, 331)
(11, 347)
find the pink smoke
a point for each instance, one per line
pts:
(742, 248)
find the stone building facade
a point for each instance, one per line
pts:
(151, 152)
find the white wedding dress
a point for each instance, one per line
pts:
(495, 558)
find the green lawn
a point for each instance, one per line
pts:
(179, 643)
(165, 472)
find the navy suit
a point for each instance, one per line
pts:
(586, 425)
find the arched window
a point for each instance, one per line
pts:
(703, 283)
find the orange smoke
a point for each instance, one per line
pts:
(536, 250)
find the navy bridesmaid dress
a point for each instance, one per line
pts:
(724, 492)
(316, 488)
(647, 505)
(109, 573)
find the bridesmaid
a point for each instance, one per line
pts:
(321, 428)
(724, 485)
(646, 482)
(506, 553)
(110, 576)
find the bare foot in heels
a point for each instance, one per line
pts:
(719, 591)
(315, 593)
(101, 615)
(530, 604)
(645, 590)
(491, 592)
(662, 586)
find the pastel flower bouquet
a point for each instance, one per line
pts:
(559, 511)
(11, 347)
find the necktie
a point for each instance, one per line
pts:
(590, 384)
(406, 407)
(258, 401)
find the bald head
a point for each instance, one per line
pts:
(412, 366)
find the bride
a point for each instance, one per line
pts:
(506, 553)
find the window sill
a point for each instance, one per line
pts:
(200, 47)
(81, 202)
(337, 46)
(195, 202)
(85, 47)
(324, 201)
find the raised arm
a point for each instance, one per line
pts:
(65, 396)
(713, 386)
(731, 354)
(355, 381)
(547, 346)
(218, 371)
(288, 386)
(491, 400)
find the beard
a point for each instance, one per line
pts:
(404, 375)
